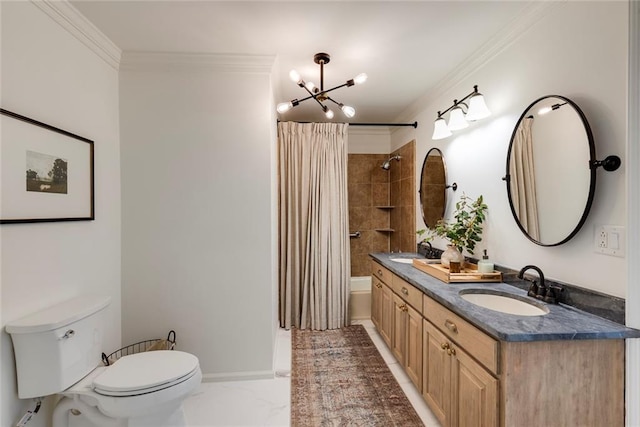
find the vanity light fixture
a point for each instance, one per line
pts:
(320, 95)
(458, 117)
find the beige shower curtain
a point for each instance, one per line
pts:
(523, 179)
(314, 225)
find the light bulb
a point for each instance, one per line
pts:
(310, 86)
(456, 119)
(360, 78)
(440, 129)
(295, 76)
(477, 108)
(283, 107)
(329, 114)
(348, 110)
(545, 110)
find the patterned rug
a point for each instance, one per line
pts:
(338, 378)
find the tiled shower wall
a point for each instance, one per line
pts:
(368, 186)
(381, 206)
(403, 197)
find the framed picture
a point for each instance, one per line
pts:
(46, 173)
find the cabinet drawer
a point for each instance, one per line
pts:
(407, 292)
(480, 345)
(381, 273)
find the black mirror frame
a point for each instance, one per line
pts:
(591, 165)
(453, 186)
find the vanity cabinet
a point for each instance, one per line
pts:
(376, 302)
(459, 390)
(397, 309)
(382, 310)
(469, 378)
(407, 338)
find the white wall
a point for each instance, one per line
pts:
(48, 74)
(197, 214)
(575, 49)
(369, 140)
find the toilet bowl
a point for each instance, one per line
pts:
(58, 351)
(144, 389)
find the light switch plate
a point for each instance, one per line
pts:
(610, 240)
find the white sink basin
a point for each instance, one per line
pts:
(410, 260)
(502, 302)
(402, 260)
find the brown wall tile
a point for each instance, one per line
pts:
(369, 186)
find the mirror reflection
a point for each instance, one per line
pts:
(433, 184)
(550, 183)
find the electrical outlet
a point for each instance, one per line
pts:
(610, 240)
(601, 239)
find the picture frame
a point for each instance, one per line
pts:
(46, 173)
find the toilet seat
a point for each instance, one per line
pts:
(144, 373)
(167, 380)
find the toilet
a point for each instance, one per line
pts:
(58, 351)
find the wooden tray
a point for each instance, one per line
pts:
(467, 274)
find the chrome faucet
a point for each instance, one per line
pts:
(540, 290)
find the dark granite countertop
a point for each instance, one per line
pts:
(562, 322)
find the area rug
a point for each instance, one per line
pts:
(338, 378)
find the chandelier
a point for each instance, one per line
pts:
(320, 95)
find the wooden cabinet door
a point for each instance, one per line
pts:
(474, 393)
(435, 372)
(413, 353)
(376, 302)
(386, 317)
(398, 339)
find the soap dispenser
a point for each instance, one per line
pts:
(484, 265)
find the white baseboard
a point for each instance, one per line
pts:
(238, 376)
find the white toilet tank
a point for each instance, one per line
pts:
(57, 346)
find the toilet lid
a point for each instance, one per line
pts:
(145, 372)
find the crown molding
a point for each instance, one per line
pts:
(173, 61)
(69, 18)
(533, 13)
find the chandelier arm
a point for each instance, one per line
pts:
(329, 90)
(315, 95)
(308, 97)
(321, 104)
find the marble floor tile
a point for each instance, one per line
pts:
(267, 402)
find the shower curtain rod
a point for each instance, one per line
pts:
(414, 124)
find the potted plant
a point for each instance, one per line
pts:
(464, 231)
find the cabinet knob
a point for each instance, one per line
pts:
(445, 345)
(405, 291)
(451, 351)
(380, 273)
(451, 326)
(378, 285)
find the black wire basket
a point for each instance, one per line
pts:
(142, 346)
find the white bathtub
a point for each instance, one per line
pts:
(360, 298)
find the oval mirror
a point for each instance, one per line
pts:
(433, 185)
(550, 181)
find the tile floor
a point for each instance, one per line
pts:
(267, 402)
